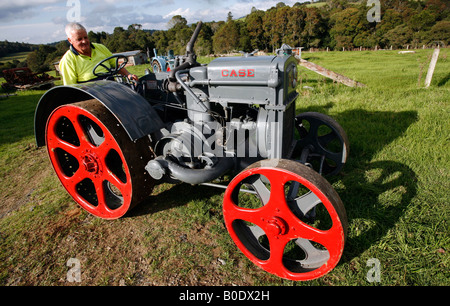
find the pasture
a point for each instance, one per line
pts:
(395, 187)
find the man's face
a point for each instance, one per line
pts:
(80, 41)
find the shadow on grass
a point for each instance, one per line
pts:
(175, 196)
(376, 193)
(444, 80)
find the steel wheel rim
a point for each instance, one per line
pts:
(279, 225)
(321, 146)
(89, 162)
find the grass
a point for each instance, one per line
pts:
(20, 56)
(395, 187)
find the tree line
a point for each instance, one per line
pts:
(334, 24)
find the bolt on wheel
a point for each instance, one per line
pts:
(322, 143)
(286, 218)
(96, 162)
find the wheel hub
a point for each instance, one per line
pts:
(277, 226)
(91, 162)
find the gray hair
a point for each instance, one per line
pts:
(73, 26)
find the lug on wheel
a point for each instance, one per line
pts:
(95, 160)
(322, 143)
(286, 218)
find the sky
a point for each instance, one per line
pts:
(43, 21)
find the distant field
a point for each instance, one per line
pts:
(21, 56)
(395, 188)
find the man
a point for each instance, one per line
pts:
(78, 62)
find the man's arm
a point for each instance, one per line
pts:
(68, 72)
(125, 73)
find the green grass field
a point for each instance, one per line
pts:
(395, 187)
(21, 56)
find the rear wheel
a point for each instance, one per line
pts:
(156, 66)
(286, 218)
(324, 142)
(95, 160)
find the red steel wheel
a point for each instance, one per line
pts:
(286, 218)
(96, 162)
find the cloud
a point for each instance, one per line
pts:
(33, 33)
(186, 13)
(21, 9)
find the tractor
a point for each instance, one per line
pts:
(232, 125)
(164, 63)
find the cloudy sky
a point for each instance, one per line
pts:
(43, 21)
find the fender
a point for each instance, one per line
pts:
(134, 113)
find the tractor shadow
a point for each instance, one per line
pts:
(375, 193)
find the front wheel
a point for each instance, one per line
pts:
(286, 218)
(95, 160)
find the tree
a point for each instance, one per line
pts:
(244, 38)
(315, 28)
(438, 8)
(346, 25)
(269, 27)
(400, 36)
(161, 40)
(440, 32)
(177, 21)
(229, 16)
(254, 23)
(204, 46)
(422, 21)
(226, 38)
(390, 19)
(39, 60)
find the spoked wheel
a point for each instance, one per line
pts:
(96, 162)
(286, 218)
(323, 142)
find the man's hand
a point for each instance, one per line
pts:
(132, 77)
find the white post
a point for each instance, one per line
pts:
(430, 72)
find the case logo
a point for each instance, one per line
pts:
(240, 73)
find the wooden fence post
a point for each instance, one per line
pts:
(430, 72)
(329, 74)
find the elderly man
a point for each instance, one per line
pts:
(78, 62)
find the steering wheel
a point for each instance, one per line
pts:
(111, 71)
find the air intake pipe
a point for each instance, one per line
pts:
(164, 168)
(191, 59)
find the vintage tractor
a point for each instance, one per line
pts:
(231, 124)
(164, 63)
